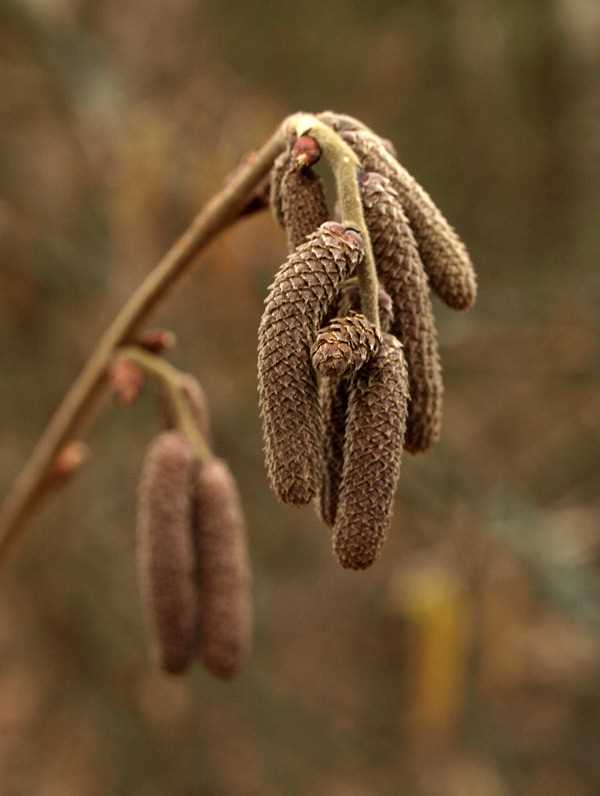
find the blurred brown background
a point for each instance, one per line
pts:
(467, 661)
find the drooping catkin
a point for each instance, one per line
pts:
(345, 344)
(278, 171)
(225, 614)
(303, 204)
(333, 393)
(375, 424)
(446, 260)
(305, 287)
(401, 272)
(165, 553)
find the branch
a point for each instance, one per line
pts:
(224, 208)
(344, 165)
(170, 379)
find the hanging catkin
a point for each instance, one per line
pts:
(305, 287)
(333, 394)
(401, 272)
(444, 255)
(303, 204)
(341, 348)
(165, 553)
(225, 615)
(345, 344)
(278, 170)
(375, 424)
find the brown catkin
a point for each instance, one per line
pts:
(225, 611)
(345, 344)
(165, 553)
(444, 255)
(333, 394)
(303, 204)
(305, 287)
(401, 272)
(375, 424)
(278, 171)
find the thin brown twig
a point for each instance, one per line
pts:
(220, 212)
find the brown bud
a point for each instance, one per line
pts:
(375, 423)
(126, 379)
(305, 287)
(446, 260)
(223, 570)
(165, 552)
(66, 464)
(303, 204)
(402, 273)
(157, 341)
(345, 345)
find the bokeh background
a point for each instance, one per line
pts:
(467, 661)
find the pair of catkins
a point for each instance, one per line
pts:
(339, 398)
(193, 564)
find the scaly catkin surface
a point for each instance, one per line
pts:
(278, 171)
(444, 255)
(303, 204)
(333, 393)
(225, 610)
(165, 554)
(305, 287)
(401, 272)
(375, 424)
(345, 344)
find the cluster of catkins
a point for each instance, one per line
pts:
(191, 548)
(339, 398)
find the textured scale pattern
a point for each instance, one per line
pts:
(375, 424)
(305, 288)
(303, 205)
(333, 394)
(278, 172)
(345, 344)
(164, 547)
(446, 260)
(225, 615)
(401, 272)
